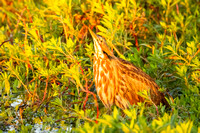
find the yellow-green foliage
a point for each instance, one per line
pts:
(46, 54)
(136, 124)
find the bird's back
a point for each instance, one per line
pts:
(135, 81)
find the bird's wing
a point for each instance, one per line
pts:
(133, 80)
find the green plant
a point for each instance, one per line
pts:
(46, 55)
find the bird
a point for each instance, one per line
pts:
(118, 82)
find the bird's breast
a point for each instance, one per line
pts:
(104, 80)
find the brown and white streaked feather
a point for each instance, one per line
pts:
(104, 86)
(135, 81)
(118, 82)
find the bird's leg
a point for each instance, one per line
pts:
(155, 106)
(109, 111)
(123, 114)
(156, 110)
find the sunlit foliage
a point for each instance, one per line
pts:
(46, 54)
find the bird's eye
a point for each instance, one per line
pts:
(100, 39)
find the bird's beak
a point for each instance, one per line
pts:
(97, 46)
(94, 36)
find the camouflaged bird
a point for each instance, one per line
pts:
(118, 81)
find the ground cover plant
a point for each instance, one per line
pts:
(46, 54)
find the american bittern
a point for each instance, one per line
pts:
(118, 81)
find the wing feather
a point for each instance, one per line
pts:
(133, 80)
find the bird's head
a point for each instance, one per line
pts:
(100, 46)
